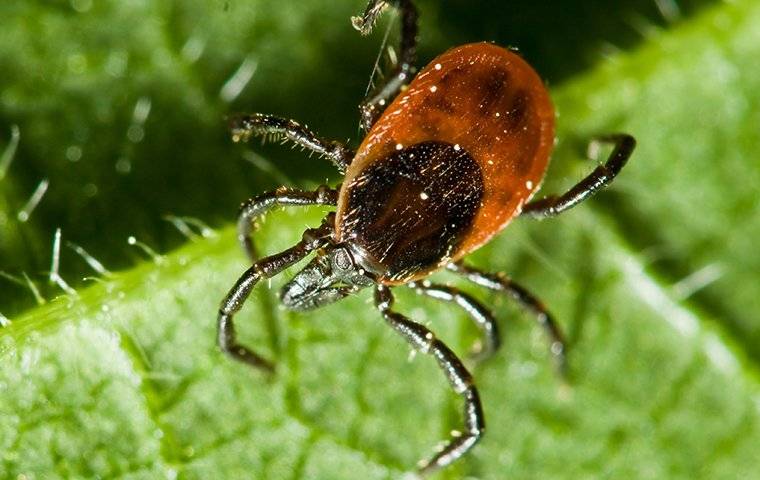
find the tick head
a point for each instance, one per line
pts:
(328, 277)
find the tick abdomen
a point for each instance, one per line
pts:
(492, 105)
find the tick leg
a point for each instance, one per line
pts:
(477, 312)
(373, 105)
(460, 379)
(265, 268)
(244, 127)
(502, 283)
(598, 179)
(255, 207)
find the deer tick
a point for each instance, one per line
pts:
(451, 155)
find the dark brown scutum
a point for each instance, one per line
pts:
(409, 211)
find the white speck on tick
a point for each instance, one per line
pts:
(424, 196)
(529, 185)
(433, 89)
(498, 114)
(399, 146)
(437, 66)
(490, 162)
(457, 147)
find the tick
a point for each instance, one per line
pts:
(451, 155)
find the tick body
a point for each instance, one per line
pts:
(450, 157)
(450, 162)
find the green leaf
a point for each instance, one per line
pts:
(652, 281)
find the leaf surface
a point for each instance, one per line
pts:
(652, 281)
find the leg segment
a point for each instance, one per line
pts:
(257, 206)
(245, 126)
(502, 283)
(598, 179)
(477, 312)
(373, 106)
(460, 379)
(265, 268)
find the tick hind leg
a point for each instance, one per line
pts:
(423, 340)
(375, 103)
(527, 300)
(601, 176)
(269, 126)
(254, 208)
(477, 312)
(265, 268)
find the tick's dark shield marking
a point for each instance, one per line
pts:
(408, 212)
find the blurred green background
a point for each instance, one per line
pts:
(120, 106)
(75, 72)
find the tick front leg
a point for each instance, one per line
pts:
(477, 312)
(423, 340)
(257, 206)
(265, 268)
(601, 176)
(373, 105)
(226, 337)
(244, 127)
(527, 300)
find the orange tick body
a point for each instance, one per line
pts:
(487, 122)
(451, 155)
